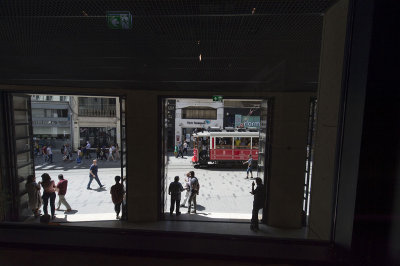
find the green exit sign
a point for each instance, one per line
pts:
(217, 98)
(119, 20)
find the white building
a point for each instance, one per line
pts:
(194, 114)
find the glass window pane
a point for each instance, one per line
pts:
(123, 145)
(123, 105)
(21, 131)
(22, 145)
(255, 142)
(242, 143)
(123, 132)
(23, 158)
(123, 119)
(21, 116)
(20, 102)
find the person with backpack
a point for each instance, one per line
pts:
(175, 189)
(117, 195)
(194, 191)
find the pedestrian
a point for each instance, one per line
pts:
(117, 195)
(117, 157)
(98, 151)
(93, 174)
(187, 188)
(249, 165)
(110, 154)
(62, 190)
(87, 150)
(194, 191)
(185, 145)
(50, 154)
(49, 192)
(175, 189)
(176, 150)
(33, 189)
(79, 155)
(180, 152)
(44, 151)
(258, 202)
(69, 150)
(113, 151)
(103, 153)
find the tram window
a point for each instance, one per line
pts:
(224, 143)
(242, 143)
(255, 143)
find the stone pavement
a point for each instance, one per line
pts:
(87, 205)
(224, 192)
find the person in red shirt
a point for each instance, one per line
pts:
(62, 190)
(117, 195)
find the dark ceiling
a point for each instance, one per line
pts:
(268, 43)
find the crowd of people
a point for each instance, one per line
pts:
(50, 188)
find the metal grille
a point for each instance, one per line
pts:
(239, 40)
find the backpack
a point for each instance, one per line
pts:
(195, 184)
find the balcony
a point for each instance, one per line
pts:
(97, 111)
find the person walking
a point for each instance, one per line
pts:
(176, 150)
(50, 154)
(117, 157)
(117, 195)
(249, 165)
(98, 152)
(93, 174)
(187, 188)
(194, 191)
(258, 202)
(110, 154)
(79, 155)
(49, 193)
(185, 145)
(175, 189)
(33, 189)
(87, 153)
(62, 190)
(103, 153)
(180, 150)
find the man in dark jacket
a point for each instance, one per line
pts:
(175, 189)
(258, 203)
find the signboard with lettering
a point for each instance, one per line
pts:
(242, 121)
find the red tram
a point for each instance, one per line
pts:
(220, 147)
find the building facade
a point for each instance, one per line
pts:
(51, 119)
(75, 120)
(191, 114)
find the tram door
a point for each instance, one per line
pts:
(18, 153)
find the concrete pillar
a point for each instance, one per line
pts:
(143, 156)
(329, 95)
(285, 185)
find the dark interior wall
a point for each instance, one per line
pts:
(376, 235)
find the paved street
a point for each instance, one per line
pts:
(87, 205)
(224, 193)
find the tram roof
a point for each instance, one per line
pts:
(227, 134)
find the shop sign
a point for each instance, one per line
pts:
(247, 121)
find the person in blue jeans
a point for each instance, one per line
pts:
(93, 174)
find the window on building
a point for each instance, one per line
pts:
(194, 112)
(37, 113)
(49, 98)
